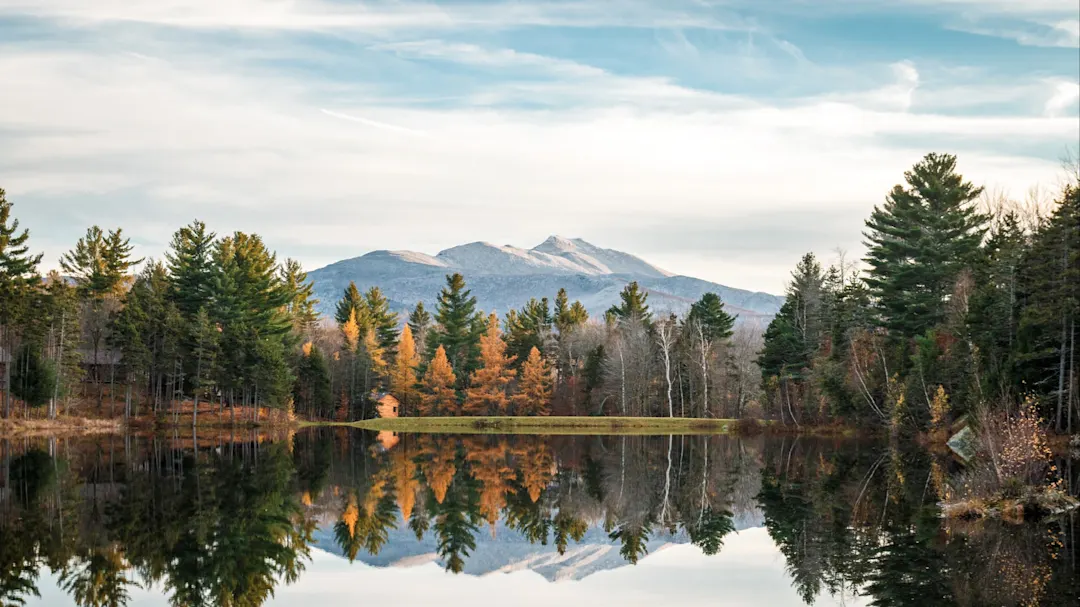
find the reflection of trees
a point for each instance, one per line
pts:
(225, 526)
(216, 528)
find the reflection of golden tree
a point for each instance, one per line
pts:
(537, 465)
(491, 468)
(438, 466)
(534, 388)
(406, 486)
(487, 394)
(350, 515)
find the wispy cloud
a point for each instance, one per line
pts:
(374, 123)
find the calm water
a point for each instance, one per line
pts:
(347, 517)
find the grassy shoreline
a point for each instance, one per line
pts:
(543, 425)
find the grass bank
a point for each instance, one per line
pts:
(60, 427)
(545, 425)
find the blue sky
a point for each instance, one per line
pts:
(720, 139)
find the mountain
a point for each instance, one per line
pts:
(505, 277)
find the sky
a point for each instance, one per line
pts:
(749, 570)
(717, 139)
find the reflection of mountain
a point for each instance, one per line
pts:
(505, 277)
(510, 551)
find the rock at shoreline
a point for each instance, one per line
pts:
(963, 444)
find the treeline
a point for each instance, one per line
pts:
(542, 359)
(219, 319)
(960, 310)
(220, 322)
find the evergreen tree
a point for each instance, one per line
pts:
(420, 325)
(709, 311)
(191, 269)
(34, 378)
(632, 306)
(460, 327)
(488, 390)
(567, 316)
(351, 302)
(534, 388)
(438, 396)
(1050, 300)
(311, 392)
(99, 263)
(530, 328)
(381, 319)
(302, 302)
(18, 277)
(918, 243)
(403, 376)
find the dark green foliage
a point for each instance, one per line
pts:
(420, 325)
(351, 302)
(33, 378)
(632, 306)
(99, 263)
(459, 328)
(715, 322)
(568, 315)
(18, 268)
(312, 393)
(527, 329)
(380, 319)
(919, 242)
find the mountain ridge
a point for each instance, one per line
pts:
(504, 277)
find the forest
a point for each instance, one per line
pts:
(962, 304)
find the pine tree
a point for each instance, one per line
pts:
(439, 397)
(420, 324)
(18, 277)
(99, 263)
(918, 243)
(534, 388)
(33, 379)
(568, 316)
(403, 376)
(488, 389)
(191, 269)
(351, 302)
(530, 328)
(302, 302)
(632, 306)
(311, 392)
(374, 358)
(459, 327)
(381, 319)
(715, 322)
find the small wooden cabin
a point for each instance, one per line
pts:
(386, 405)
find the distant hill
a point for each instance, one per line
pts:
(502, 549)
(505, 277)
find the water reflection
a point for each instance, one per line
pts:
(229, 522)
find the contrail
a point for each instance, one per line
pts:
(374, 123)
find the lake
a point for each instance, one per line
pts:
(342, 516)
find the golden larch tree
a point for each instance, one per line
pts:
(403, 374)
(534, 387)
(351, 332)
(438, 396)
(488, 391)
(376, 356)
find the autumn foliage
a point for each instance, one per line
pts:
(488, 393)
(534, 387)
(438, 396)
(403, 373)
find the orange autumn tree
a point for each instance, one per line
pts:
(488, 394)
(438, 396)
(403, 374)
(534, 387)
